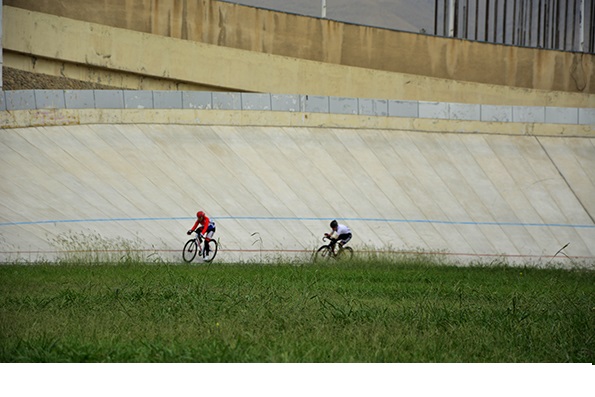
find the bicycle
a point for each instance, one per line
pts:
(195, 246)
(327, 252)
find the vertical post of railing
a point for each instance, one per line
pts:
(504, 21)
(592, 21)
(530, 23)
(445, 18)
(538, 33)
(557, 24)
(323, 9)
(565, 35)
(525, 22)
(435, 17)
(546, 25)
(561, 24)
(487, 18)
(466, 12)
(553, 24)
(572, 47)
(451, 18)
(513, 27)
(522, 22)
(518, 22)
(581, 37)
(455, 18)
(495, 32)
(476, 18)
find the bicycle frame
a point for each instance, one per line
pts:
(200, 241)
(332, 244)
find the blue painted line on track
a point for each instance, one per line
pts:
(265, 218)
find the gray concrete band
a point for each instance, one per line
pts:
(133, 99)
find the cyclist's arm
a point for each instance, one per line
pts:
(205, 225)
(193, 228)
(331, 236)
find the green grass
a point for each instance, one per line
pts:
(373, 310)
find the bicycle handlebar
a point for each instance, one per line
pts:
(197, 233)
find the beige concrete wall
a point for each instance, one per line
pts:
(58, 39)
(264, 31)
(494, 197)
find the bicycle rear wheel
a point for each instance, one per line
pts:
(323, 254)
(345, 254)
(213, 247)
(190, 250)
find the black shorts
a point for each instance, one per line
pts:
(344, 238)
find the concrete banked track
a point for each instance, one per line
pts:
(273, 190)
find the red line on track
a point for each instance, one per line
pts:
(307, 251)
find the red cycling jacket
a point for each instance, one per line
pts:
(205, 224)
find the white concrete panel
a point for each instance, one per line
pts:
(464, 111)
(19, 100)
(197, 100)
(433, 110)
(496, 113)
(561, 115)
(528, 114)
(79, 99)
(167, 99)
(587, 116)
(256, 101)
(343, 105)
(138, 99)
(373, 107)
(49, 99)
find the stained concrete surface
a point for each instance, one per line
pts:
(273, 191)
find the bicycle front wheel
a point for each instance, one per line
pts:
(324, 253)
(190, 250)
(212, 250)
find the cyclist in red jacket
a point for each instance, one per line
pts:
(207, 229)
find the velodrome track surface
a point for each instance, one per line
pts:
(273, 191)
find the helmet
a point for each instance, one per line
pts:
(200, 214)
(334, 223)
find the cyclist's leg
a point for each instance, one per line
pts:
(333, 244)
(209, 235)
(344, 239)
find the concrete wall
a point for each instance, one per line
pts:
(33, 40)
(322, 40)
(490, 197)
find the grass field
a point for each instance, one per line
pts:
(375, 310)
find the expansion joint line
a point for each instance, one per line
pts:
(564, 179)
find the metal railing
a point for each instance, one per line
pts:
(565, 25)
